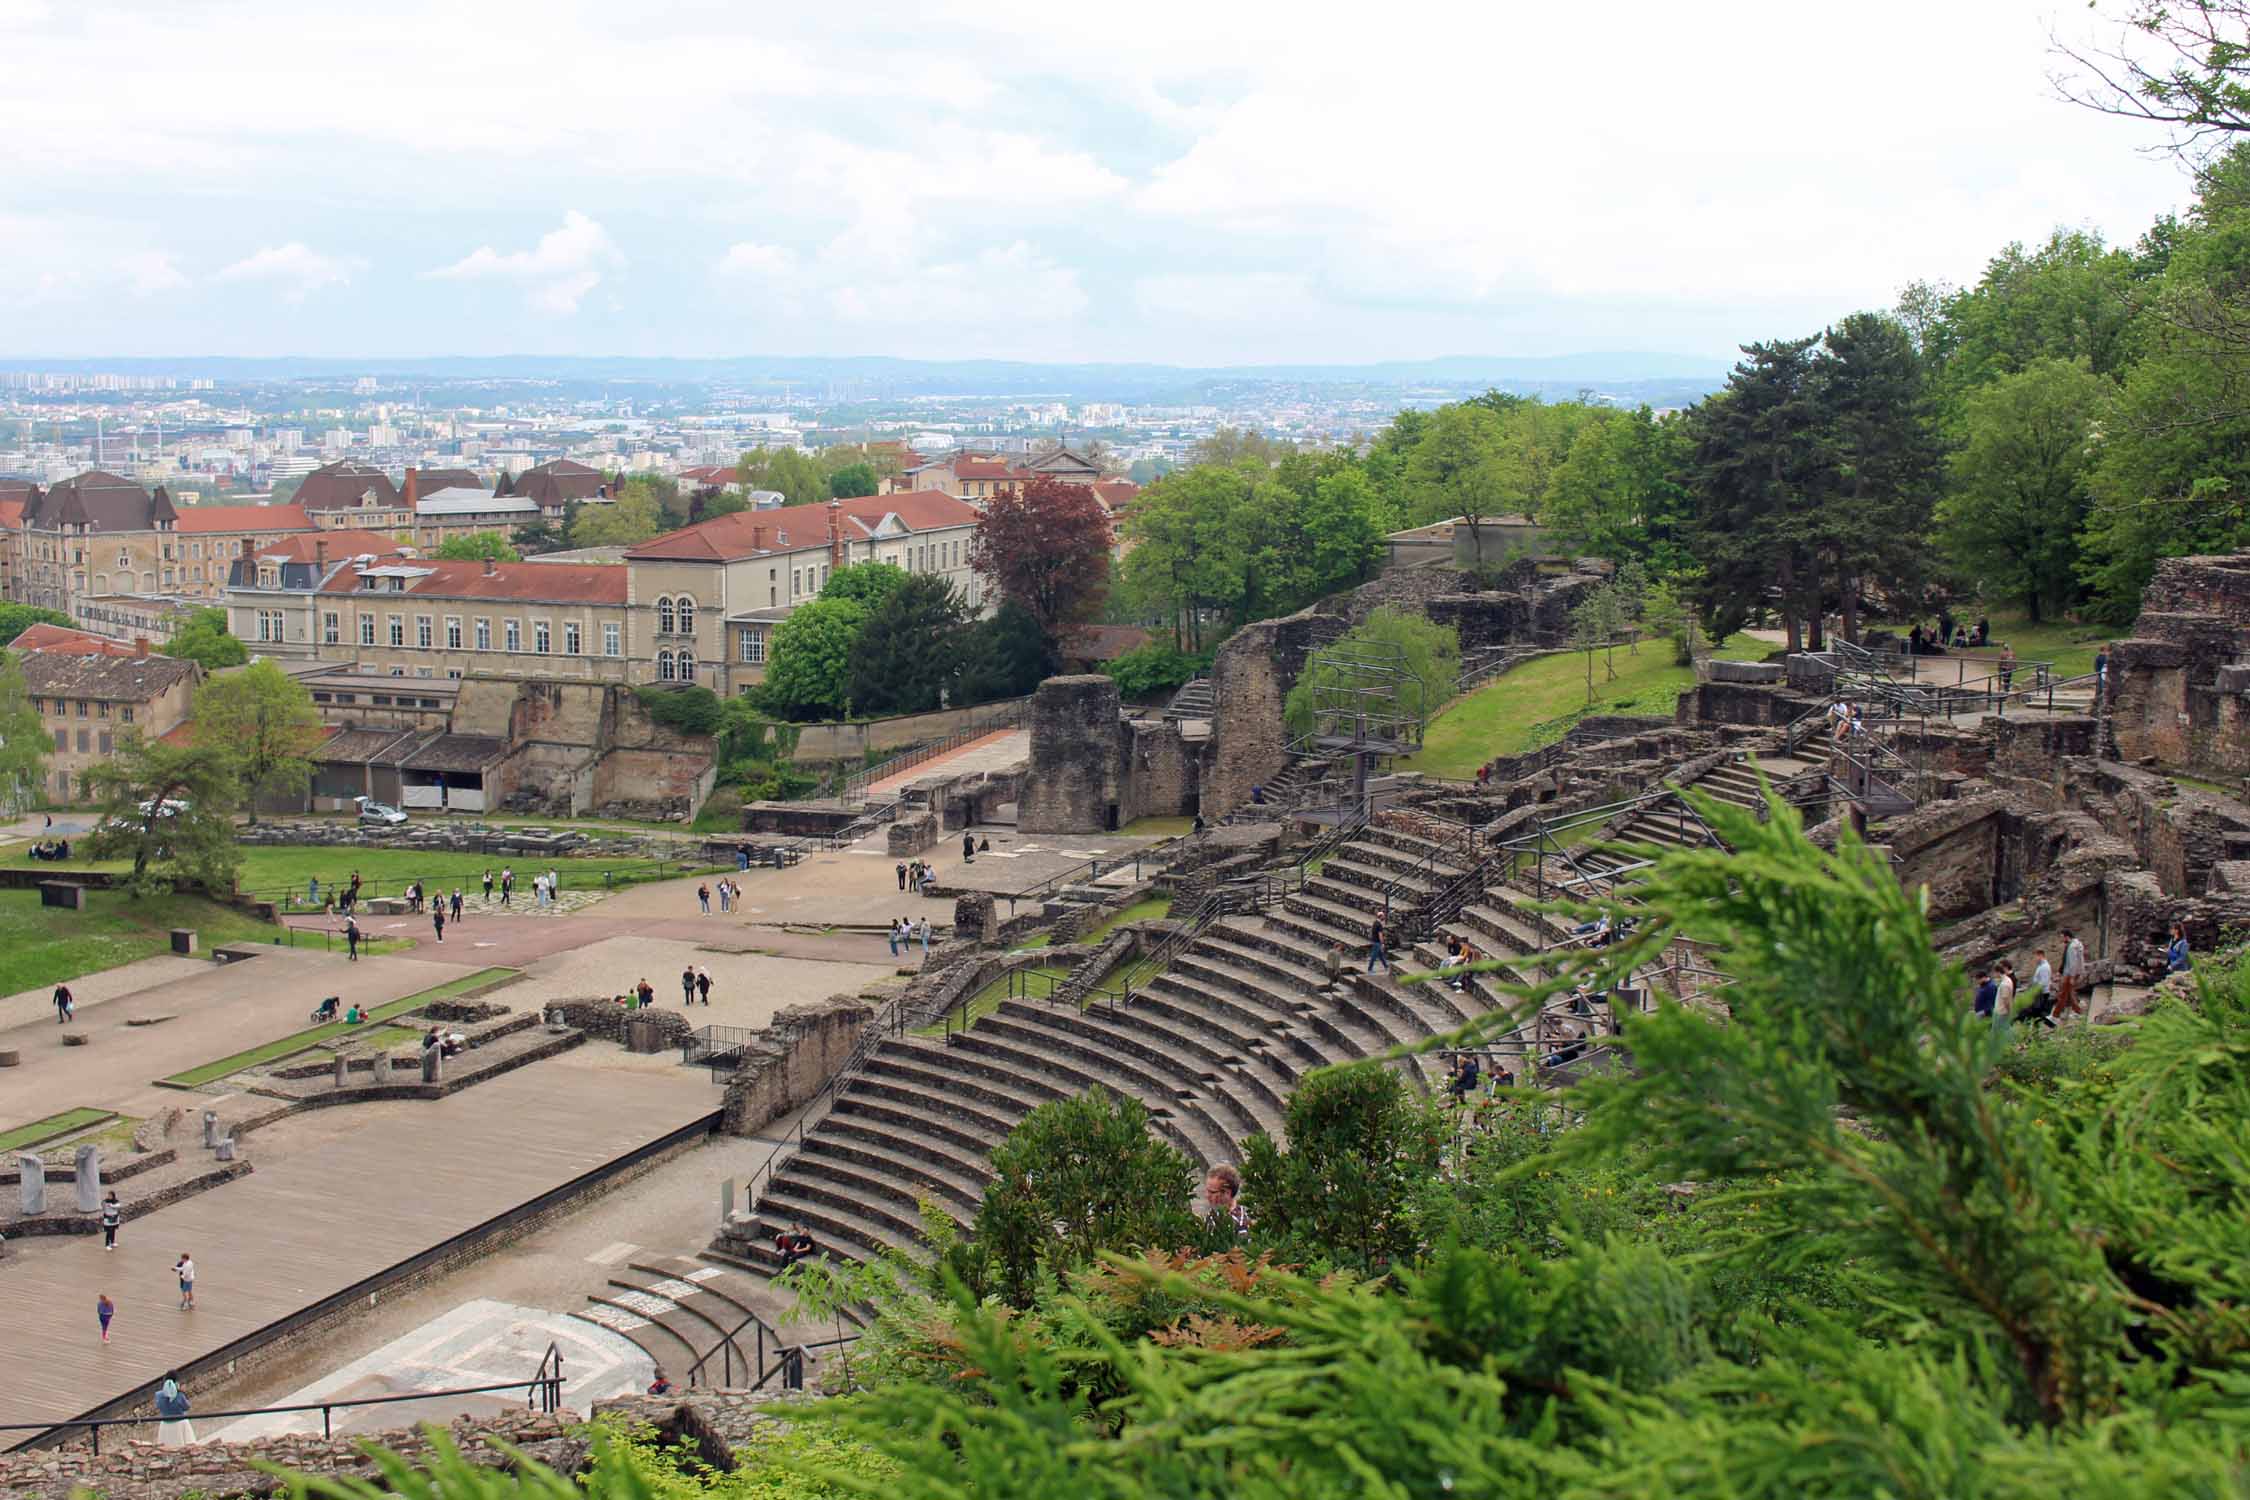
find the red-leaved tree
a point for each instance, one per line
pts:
(1047, 548)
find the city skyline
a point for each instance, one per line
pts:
(993, 182)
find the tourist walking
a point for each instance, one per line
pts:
(2176, 957)
(703, 898)
(66, 1004)
(902, 874)
(351, 939)
(2007, 668)
(703, 984)
(457, 903)
(1987, 994)
(312, 890)
(184, 1268)
(1375, 953)
(554, 884)
(687, 985)
(173, 1429)
(488, 887)
(437, 918)
(507, 884)
(890, 935)
(2074, 971)
(2004, 1001)
(645, 993)
(922, 931)
(104, 1310)
(113, 1213)
(2043, 977)
(351, 895)
(968, 848)
(2101, 674)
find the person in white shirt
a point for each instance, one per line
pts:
(2042, 973)
(2004, 1004)
(2073, 973)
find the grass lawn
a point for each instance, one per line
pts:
(272, 873)
(40, 946)
(1159, 827)
(49, 1128)
(1536, 703)
(1139, 911)
(2070, 647)
(312, 1036)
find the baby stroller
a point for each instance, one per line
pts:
(327, 1009)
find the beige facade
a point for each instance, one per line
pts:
(89, 703)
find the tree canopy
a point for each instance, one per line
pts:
(170, 810)
(908, 655)
(632, 517)
(1046, 547)
(477, 545)
(203, 639)
(264, 719)
(24, 745)
(808, 672)
(15, 619)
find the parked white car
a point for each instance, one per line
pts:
(371, 811)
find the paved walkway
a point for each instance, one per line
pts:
(993, 752)
(337, 1196)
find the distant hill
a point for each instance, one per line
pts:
(903, 377)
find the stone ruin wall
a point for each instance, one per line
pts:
(2180, 684)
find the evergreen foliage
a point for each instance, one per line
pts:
(1429, 653)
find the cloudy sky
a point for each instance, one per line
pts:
(1181, 182)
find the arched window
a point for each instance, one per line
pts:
(663, 666)
(687, 666)
(687, 615)
(664, 615)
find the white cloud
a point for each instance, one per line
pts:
(1005, 284)
(749, 258)
(150, 271)
(556, 274)
(297, 268)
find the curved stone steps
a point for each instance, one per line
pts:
(869, 1191)
(665, 1348)
(926, 1179)
(936, 1159)
(892, 1095)
(882, 1118)
(1192, 1127)
(1216, 1074)
(687, 1330)
(838, 1228)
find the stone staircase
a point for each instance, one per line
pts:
(680, 1311)
(1212, 1045)
(1196, 699)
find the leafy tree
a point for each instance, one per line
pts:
(1183, 561)
(265, 718)
(1428, 655)
(664, 489)
(866, 584)
(1156, 669)
(633, 517)
(534, 537)
(798, 477)
(15, 619)
(2193, 76)
(1593, 622)
(1046, 546)
(24, 745)
(1078, 1176)
(2019, 493)
(285, 490)
(809, 673)
(2071, 298)
(710, 503)
(688, 709)
(1617, 492)
(853, 480)
(1007, 656)
(204, 639)
(908, 654)
(477, 545)
(1358, 1147)
(1229, 447)
(1461, 467)
(170, 809)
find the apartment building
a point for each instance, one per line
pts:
(707, 597)
(89, 700)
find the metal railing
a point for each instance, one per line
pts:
(296, 898)
(543, 1393)
(1008, 716)
(886, 1023)
(788, 1361)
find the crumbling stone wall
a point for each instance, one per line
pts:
(581, 746)
(788, 1060)
(143, 1470)
(1250, 678)
(1077, 778)
(2172, 695)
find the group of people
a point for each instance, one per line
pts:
(444, 1043)
(919, 876)
(1950, 634)
(730, 895)
(51, 849)
(2041, 998)
(695, 985)
(904, 932)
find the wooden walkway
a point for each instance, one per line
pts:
(337, 1196)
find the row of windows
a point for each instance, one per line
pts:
(62, 741)
(675, 666)
(393, 631)
(675, 614)
(61, 709)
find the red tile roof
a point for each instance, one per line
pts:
(69, 642)
(527, 582)
(737, 535)
(11, 515)
(988, 468)
(709, 474)
(241, 518)
(1117, 493)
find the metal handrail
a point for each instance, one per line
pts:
(543, 1391)
(890, 1020)
(1009, 715)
